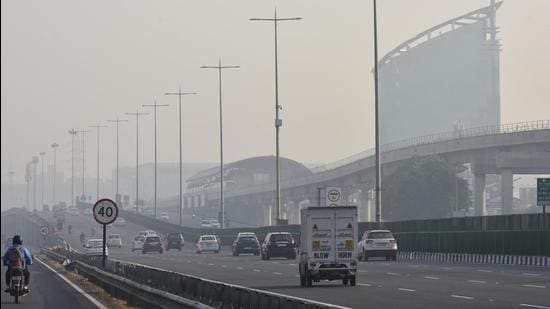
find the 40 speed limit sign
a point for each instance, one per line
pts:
(105, 211)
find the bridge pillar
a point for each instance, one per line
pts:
(479, 194)
(507, 191)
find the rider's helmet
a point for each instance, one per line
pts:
(17, 240)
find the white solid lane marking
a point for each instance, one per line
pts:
(276, 273)
(406, 290)
(461, 296)
(364, 284)
(534, 306)
(534, 286)
(446, 268)
(393, 274)
(433, 278)
(477, 281)
(485, 271)
(78, 289)
(414, 266)
(256, 270)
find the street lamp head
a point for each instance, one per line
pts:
(55, 145)
(42, 153)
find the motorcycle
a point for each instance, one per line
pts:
(17, 289)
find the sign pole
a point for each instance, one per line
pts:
(104, 243)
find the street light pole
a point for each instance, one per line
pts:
(377, 126)
(72, 132)
(34, 163)
(54, 146)
(83, 197)
(179, 94)
(155, 106)
(118, 121)
(97, 127)
(278, 121)
(42, 154)
(137, 114)
(219, 68)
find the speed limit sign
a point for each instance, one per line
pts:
(105, 211)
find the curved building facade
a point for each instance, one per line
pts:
(443, 79)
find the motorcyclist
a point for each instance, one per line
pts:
(82, 237)
(17, 256)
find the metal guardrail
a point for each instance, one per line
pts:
(119, 274)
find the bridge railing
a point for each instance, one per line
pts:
(441, 137)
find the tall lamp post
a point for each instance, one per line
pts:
(137, 114)
(83, 196)
(42, 154)
(117, 121)
(378, 168)
(72, 132)
(219, 67)
(278, 121)
(54, 146)
(97, 127)
(34, 163)
(155, 106)
(179, 94)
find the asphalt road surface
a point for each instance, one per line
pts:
(47, 290)
(401, 284)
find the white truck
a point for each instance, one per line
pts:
(328, 237)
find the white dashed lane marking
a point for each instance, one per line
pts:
(432, 278)
(276, 273)
(534, 286)
(534, 306)
(364, 284)
(477, 281)
(256, 270)
(461, 296)
(406, 290)
(485, 271)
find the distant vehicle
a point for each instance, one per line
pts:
(206, 224)
(246, 234)
(88, 211)
(208, 243)
(164, 216)
(152, 243)
(73, 211)
(114, 240)
(210, 223)
(119, 222)
(174, 241)
(278, 244)
(95, 247)
(147, 233)
(45, 207)
(328, 236)
(214, 224)
(246, 244)
(377, 243)
(137, 243)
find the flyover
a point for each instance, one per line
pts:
(519, 148)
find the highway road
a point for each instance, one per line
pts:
(401, 284)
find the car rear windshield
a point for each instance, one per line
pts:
(95, 244)
(281, 237)
(208, 238)
(152, 239)
(247, 239)
(138, 238)
(113, 236)
(174, 236)
(380, 235)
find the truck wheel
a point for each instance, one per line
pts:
(345, 281)
(352, 281)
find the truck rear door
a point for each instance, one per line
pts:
(321, 225)
(345, 234)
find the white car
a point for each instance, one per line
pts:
(164, 216)
(137, 243)
(147, 233)
(95, 247)
(208, 243)
(73, 211)
(214, 224)
(114, 240)
(377, 243)
(206, 224)
(119, 222)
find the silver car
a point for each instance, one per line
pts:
(377, 243)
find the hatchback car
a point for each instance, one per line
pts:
(279, 244)
(152, 243)
(114, 240)
(174, 241)
(137, 243)
(246, 244)
(94, 247)
(377, 243)
(208, 243)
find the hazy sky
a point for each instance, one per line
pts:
(68, 63)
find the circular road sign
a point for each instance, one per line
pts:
(105, 211)
(333, 195)
(44, 230)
